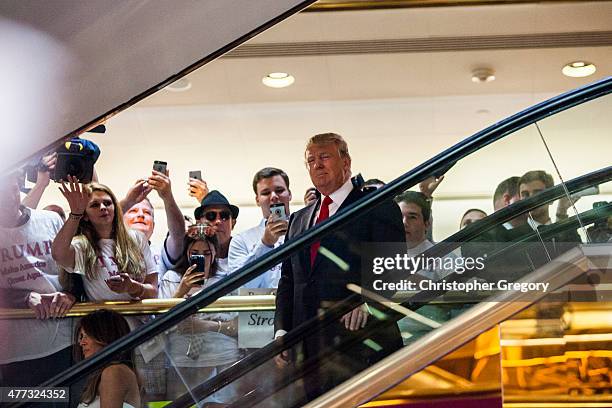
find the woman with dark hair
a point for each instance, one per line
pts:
(204, 344)
(116, 261)
(116, 384)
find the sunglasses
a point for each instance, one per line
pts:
(212, 215)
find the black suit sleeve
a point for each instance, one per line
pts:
(388, 225)
(283, 317)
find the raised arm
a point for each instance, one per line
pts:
(160, 182)
(78, 198)
(138, 192)
(42, 181)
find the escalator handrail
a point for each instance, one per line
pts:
(407, 180)
(256, 358)
(520, 207)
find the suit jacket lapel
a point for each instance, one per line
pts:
(353, 196)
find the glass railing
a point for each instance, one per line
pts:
(319, 353)
(418, 312)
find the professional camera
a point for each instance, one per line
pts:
(76, 158)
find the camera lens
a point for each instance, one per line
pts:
(75, 168)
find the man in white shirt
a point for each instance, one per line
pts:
(31, 350)
(416, 214)
(271, 186)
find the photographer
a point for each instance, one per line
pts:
(43, 178)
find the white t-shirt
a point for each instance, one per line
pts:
(97, 289)
(218, 348)
(158, 253)
(26, 263)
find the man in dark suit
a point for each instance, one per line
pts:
(317, 276)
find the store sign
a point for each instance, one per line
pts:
(255, 329)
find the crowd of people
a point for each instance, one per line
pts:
(101, 251)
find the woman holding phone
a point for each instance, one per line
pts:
(204, 344)
(115, 261)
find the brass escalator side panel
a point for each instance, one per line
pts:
(472, 371)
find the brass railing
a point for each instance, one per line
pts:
(157, 306)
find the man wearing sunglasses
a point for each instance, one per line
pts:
(316, 277)
(216, 210)
(271, 186)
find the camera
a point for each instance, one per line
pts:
(200, 261)
(76, 158)
(278, 210)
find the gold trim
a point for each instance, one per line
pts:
(558, 404)
(348, 5)
(156, 306)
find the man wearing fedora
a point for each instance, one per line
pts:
(216, 210)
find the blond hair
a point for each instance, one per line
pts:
(327, 138)
(128, 252)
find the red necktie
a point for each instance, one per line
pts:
(323, 215)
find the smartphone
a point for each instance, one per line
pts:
(200, 261)
(195, 174)
(160, 166)
(278, 210)
(593, 190)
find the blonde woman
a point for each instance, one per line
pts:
(115, 261)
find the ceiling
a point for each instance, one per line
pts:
(395, 82)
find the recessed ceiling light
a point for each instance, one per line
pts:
(180, 85)
(278, 79)
(480, 75)
(578, 69)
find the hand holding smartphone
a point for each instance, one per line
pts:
(200, 262)
(160, 166)
(278, 210)
(195, 174)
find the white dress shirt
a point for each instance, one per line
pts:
(246, 247)
(337, 197)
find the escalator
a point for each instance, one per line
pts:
(432, 322)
